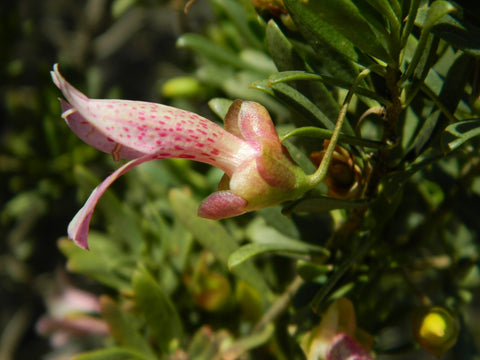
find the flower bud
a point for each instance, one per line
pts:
(344, 178)
(435, 329)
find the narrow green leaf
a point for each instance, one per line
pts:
(463, 34)
(286, 76)
(425, 132)
(397, 8)
(214, 237)
(438, 9)
(160, 315)
(111, 353)
(297, 101)
(342, 16)
(220, 106)
(214, 52)
(383, 22)
(322, 204)
(436, 12)
(123, 329)
(286, 58)
(459, 75)
(412, 15)
(249, 251)
(276, 220)
(281, 49)
(245, 18)
(244, 344)
(105, 262)
(266, 239)
(327, 134)
(457, 134)
(317, 32)
(260, 232)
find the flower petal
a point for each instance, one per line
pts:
(344, 347)
(222, 205)
(89, 134)
(274, 166)
(78, 227)
(250, 121)
(154, 128)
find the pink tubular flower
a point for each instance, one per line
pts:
(72, 313)
(335, 337)
(259, 171)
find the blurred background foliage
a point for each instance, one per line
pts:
(159, 282)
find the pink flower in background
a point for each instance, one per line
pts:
(336, 336)
(259, 171)
(71, 313)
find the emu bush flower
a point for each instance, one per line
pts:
(259, 171)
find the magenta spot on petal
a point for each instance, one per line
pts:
(109, 139)
(166, 117)
(210, 139)
(158, 142)
(165, 154)
(195, 137)
(215, 152)
(128, 136)
(110, 106)
(178, 139)
(153, 116)
(190, 131)
(176, 147)
(202, 132)
(162, 134)
(215, 135)
(126, 129)
(200, 145)
(141, 118)
(185, 156)
(161, 122)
